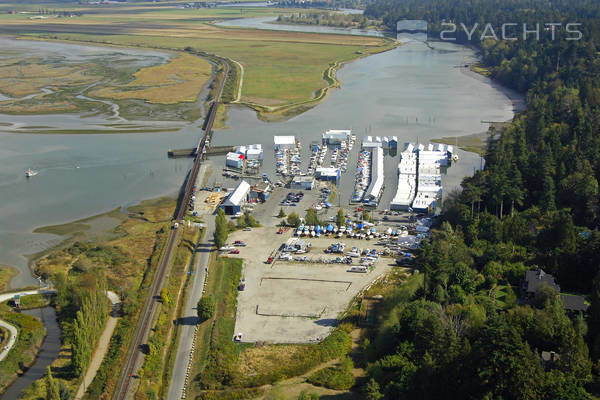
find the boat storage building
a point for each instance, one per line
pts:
(237, 199)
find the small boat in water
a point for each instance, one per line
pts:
(30, 172)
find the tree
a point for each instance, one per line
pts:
(311, 217)
(164, 296)
(340, 219)
(221, 229)
(371, 390)
(545, 293)
(281, 213)
(293, 220)
(206, 307)
(52, 386)
(306, 395)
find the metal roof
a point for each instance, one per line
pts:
(238, 195)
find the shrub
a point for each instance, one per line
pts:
(206, 307)
(339, 377)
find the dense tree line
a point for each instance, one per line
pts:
(83, 308)
(535, 205)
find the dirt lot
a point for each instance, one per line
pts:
(294, 302)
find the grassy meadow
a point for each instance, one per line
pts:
(179, 80)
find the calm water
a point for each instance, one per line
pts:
(49, 352)
(413, 92)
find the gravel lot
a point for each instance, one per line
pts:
(294, 302)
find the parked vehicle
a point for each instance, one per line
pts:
(359, 268)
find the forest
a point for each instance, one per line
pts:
(534, 206)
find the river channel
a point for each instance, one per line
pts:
(49, 352)
(415, 92)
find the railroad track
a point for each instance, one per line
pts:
(146, 315)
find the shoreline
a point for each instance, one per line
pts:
(288, 111)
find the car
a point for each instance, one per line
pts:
(238, 337)
(239, 243)
(226, 248)
(234, 251)
(247, 229)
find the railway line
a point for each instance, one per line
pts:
(140, 335)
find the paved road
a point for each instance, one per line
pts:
(189, 318)
(13, 331)
(102, 345)
(11, 341)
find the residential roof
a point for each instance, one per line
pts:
(575, 303)
(238, 195)
(535, 278)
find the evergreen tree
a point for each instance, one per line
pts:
(221, 229)
(52, 386)
(340, 219)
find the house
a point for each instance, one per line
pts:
(535, 278)
(237, 199)
(574, 303)
(302, 183)
(260, 192)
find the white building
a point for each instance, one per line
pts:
(237, 199)
(234, 160)
(284, 142)
(407, 180)
(336, 136)
(370, 142)
(376, 186)
(327, 173)
(302, 182)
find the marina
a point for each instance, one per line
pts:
(121, 170)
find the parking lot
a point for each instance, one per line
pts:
(295, 302)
